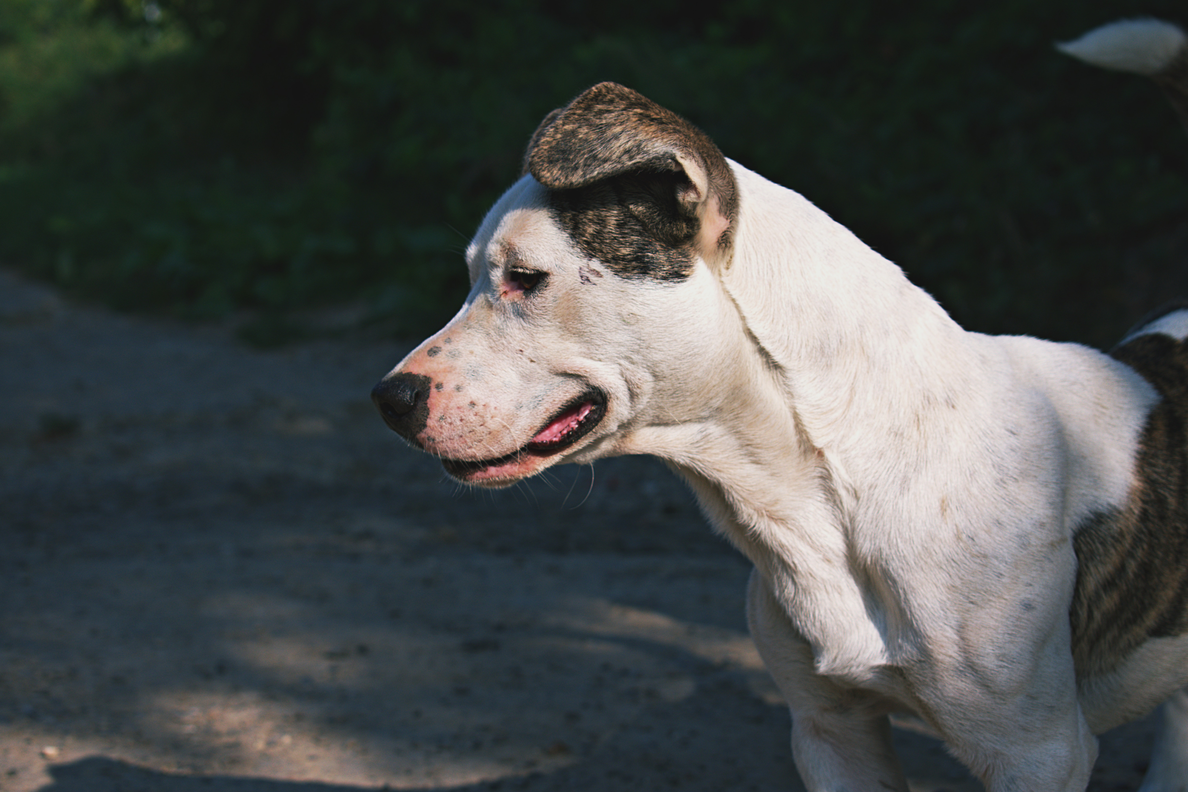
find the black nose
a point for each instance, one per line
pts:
(403, 401)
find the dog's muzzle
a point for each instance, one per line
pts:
(403, 401)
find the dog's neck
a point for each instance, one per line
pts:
(772, 494)
(859, 345)
(834, 386)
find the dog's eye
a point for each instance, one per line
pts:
(525, 281)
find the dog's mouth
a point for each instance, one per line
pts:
(569, 425)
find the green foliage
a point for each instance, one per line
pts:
(204, 156)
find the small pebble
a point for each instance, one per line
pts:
(50, 752)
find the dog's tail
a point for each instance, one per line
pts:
(1149, 47)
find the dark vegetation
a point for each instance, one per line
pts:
(204, 157)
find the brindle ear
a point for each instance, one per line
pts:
(611, 131)
(540, 130)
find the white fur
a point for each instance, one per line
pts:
(1141, 46)
(906, 490)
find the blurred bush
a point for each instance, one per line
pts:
(199, 157)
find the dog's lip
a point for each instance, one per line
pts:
(565, 428)
(570, 424)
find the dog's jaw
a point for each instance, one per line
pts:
(495, 473)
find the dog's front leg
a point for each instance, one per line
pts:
(841, 738)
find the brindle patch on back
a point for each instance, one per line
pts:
(1132, 576)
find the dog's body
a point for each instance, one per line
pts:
(991, 532)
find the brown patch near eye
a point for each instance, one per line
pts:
(631, 225)
(621, 173)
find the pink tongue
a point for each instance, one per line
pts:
(565, 424)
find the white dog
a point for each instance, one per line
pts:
(991, 532)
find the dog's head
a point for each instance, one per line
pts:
(593, 287)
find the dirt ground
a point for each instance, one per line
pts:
(222, 572)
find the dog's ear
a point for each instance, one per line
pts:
(611, 131)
